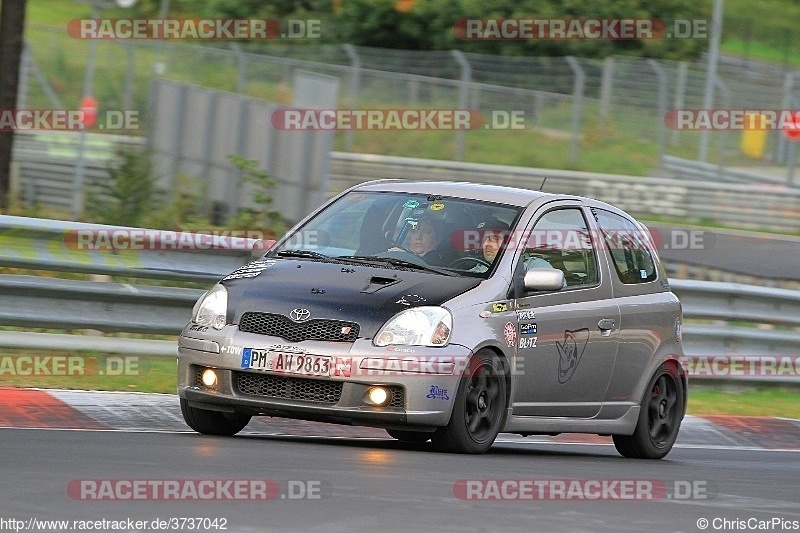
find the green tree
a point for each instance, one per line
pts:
(262, 217)
(129, 195)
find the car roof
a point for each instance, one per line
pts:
(462, 189)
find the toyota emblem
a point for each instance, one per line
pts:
(300, 315)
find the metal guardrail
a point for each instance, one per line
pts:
(56, 245)
(46, 176)
(43, 302)
(764, 206)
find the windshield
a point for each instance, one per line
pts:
(401, 230)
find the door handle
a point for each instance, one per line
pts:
(606, 324)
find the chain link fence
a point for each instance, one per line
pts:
(605, 115)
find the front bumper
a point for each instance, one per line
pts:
(422, 381)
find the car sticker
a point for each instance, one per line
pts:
(409, 299)
(411, 204)
(526, 315)
(510, 334)
(436, 207)
(570, 352)
(437, 393)
(527, 329)
(499, 307)
(251, 270)
(527, 342)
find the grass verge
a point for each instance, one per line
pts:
(107, 372)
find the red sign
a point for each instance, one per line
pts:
(89, 110)
(792, 129)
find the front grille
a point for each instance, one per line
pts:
(310, 390)
(398, 397)
(317, 329)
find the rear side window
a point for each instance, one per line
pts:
(628, 246)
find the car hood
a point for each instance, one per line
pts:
(363, 294)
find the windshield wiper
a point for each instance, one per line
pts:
(372, 259)
(308, 254)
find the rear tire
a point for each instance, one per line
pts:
(213, 422)
(409, 436)
(662, 410)
(479, 408)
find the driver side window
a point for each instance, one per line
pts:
(560, 239)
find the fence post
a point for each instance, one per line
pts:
(463, 98)
(577, 107)
(711, 73)
(662, 106)
(606, 87)
(680, 94)
(241, 68)
(130, 72)
(355, 82)
(88, 90)
(786, 103)
(726, 101)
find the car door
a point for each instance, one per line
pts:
(567, 339)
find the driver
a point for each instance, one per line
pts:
(427, 240)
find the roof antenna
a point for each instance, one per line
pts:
(542, 185)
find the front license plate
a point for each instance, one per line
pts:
(286, 363)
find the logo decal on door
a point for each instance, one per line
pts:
(570, 352)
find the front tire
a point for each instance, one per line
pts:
(479, 408)
(662, 410)
(213, 422)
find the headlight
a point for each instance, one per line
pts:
(211, 309)
(420, 326)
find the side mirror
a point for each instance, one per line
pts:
(260, 247)
(543, 279)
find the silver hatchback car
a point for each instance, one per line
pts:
(447, 312)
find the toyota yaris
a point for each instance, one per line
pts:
(446, 312)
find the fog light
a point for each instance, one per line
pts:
(377, 396)
(209, 377)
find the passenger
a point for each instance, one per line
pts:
(494, 234)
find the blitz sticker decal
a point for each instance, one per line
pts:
(437, 393)
(510, 334)
(527, 342)
(251, 270)
(409, 299)
(526, 315)
(570, 352)
(527, 329)
(436, 207)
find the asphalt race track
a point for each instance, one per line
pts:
(722, 468)
(761, 255)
